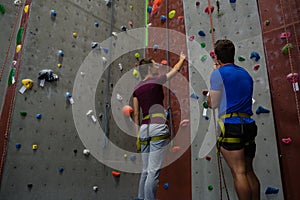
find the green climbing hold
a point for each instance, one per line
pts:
(212, 29)
(203, 45)
(11, 76)
(241, 58)
(2, 9)
(267, 22)
(23, 113)
(172, 14)
(137, 55)
(205, 104)
(203, 58)
(20, 35)
(285, 49)
(210, 187)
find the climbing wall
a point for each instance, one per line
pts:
(238, 22)
(280, 26)
(45, 155)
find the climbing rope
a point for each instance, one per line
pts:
(220, 167)
(290, 54)
(10, 42)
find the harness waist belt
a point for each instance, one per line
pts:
(222, 127)
(155, 138)
(154, 115)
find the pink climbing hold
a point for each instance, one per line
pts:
(130, 23)
(212, 54)
(191, 38)
(211, 9)
(285, 35)
(294, 78)
(286, 140)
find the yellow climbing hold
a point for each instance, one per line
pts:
(135, 73)
(26, 8)
(131, 7)
(34, 147)
(28, 83)
(172, 14)
(74, 35)
(18, 48)
(137, 55)
(59, 65)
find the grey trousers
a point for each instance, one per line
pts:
(152, 157)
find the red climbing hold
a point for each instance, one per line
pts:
(197, 3)
(256, 67)
(208, 158)
(212, 54)
(204, 92)
(164, 62)
(211, 9)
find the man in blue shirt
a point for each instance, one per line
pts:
(231, 92)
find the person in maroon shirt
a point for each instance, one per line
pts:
(152, 131)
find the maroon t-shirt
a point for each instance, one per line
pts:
(151, 96)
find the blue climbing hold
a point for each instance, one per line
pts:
(61, 53)
(132, 158)
(149, 9)
(53, 13)
(68, 95)
(38, 116)
(60, 169)
(18, 145)
(166, 185)
(232, 1)
(271, 190)
(163, 18)
(262, 109)
(105, 50)
(96, 24)
(155, 47)
(201, 33)
(254, 55)
(194, 96)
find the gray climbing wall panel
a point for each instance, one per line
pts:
(240, 23)
(58, 169)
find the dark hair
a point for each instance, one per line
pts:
(225, 50)
(143, 66)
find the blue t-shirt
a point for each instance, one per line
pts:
(236, 86)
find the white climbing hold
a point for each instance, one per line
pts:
(120, 67)
(95, 45)
(119, 97)
(114, 34)
(86, 152)
(82, 73)
(148, 25)
(104, 59)
(204, 113)
(91, 115)
(253, 101)
(107, 2)
(14, 62)
(95, 188)
(18, 2)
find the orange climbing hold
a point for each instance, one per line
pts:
(176, 148)
(127, 110)
(164, 62)
(155, 6)
(115, 173)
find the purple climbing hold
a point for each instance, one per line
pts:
(254, 55)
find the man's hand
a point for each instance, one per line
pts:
(182, 56)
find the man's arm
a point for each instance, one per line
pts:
(136, 114)
(176, 68)
(214, 99)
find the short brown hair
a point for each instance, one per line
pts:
(143, 66)
(225, 51)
